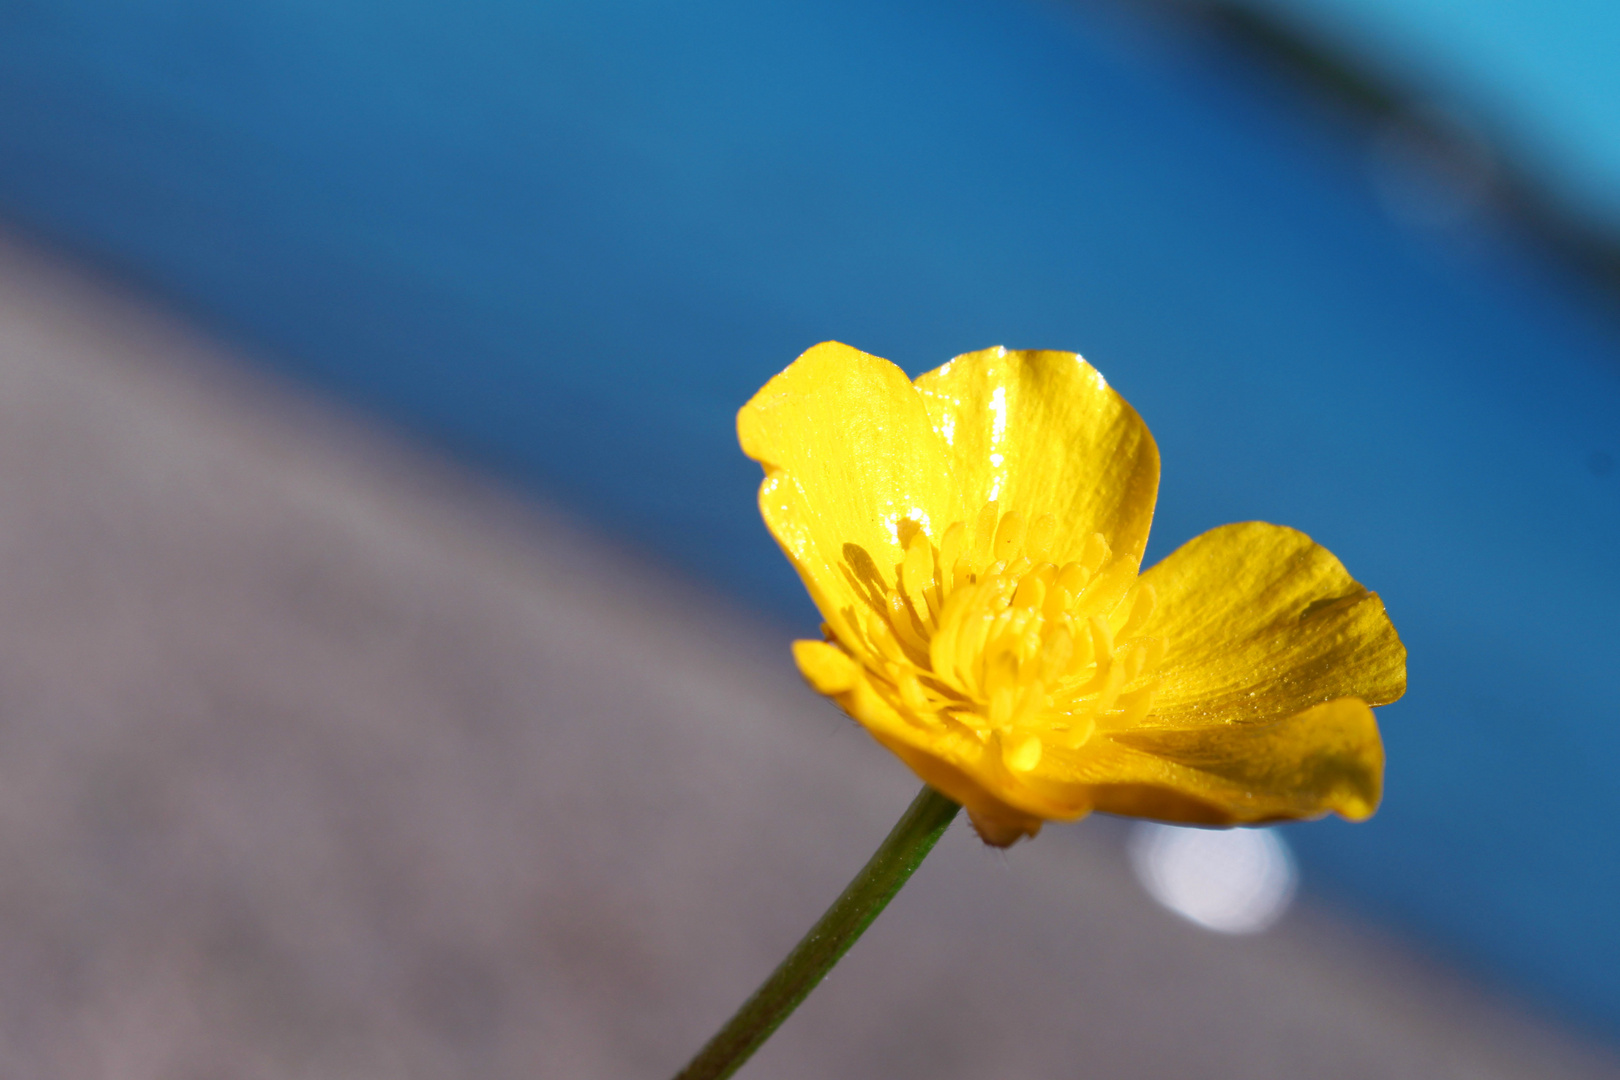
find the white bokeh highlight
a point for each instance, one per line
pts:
(1232, 881)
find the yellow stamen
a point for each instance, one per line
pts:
(1022, 753)
(950, 550)
(984, 632)
(917, 573)
(1096, 553)
(984, 534)
(1141, 609)
(1009, 536)
(1041, 534)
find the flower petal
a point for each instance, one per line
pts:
(850, 458)
(953, 761)
(827, 668)
(1326, 759)
(1043, 433)
(998, 822)
(1260, 623)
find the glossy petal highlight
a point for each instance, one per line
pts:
(852, 466)
(1044, 432)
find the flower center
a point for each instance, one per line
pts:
(982, 630)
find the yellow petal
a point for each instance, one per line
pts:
(1259, 623)
(1043, 433)
(826, 667)
(852, 467)
(998, 822)
(957, 763)
(1326, 759)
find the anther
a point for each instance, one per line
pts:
(1009, 536)
(917, 574)
(1102, 638)
(1079, 730)
(1000, 671)
(1085, 653)
(1029, 676)
(1134, 664)
(1095, 554)
(1141, 609)
(1002, 701)
(904, 624)
(1073, 577)
(1031, 591)
(1112, 685)
(1056, 652)
(883, 639)
(970, 631)
(914, 697)
(1021, 754)
(984, 534)
(1042, 531)
(950, 550)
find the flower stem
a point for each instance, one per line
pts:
(907, 844)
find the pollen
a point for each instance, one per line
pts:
(985, 633)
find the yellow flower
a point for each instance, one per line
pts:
(974, 542)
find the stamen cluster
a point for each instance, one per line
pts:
(984, 631)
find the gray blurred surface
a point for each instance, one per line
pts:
(320, 758)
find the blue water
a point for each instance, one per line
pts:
(1541, 78)
(569, 240)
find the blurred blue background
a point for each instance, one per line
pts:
(569, 240)
(1540, 78)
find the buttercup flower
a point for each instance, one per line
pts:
(974, 542)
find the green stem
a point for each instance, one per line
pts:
(907, 844)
